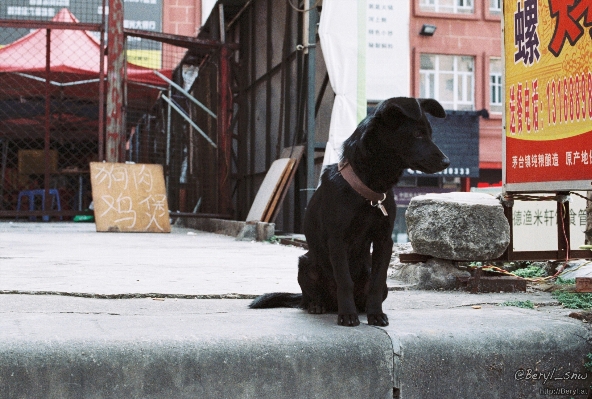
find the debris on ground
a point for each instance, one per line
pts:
(585, 316)
(517, 276)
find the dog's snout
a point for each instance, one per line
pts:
(445, 162)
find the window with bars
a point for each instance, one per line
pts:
(448, 79)
(447, 6)
(495, 85)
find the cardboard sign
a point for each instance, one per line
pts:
(129, 197)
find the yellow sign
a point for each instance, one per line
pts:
(145, 58)
(548, 90)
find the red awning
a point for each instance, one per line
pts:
(74, 60)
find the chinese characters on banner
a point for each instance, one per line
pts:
(129, 197)
(548, 104)
(387, 50)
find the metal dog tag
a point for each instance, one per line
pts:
(382, 208)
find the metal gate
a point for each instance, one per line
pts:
(50, 110)
(52, 113)
(187, 129)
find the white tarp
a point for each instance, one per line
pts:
(342, 34)
(206, 9)
(366, 49)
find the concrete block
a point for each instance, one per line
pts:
(243, 231)
(433, 275)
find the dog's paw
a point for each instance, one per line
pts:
(379, 319)
(348, 320)
(316, 308)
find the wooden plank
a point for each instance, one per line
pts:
(412, 257)
(545, 255)
(129, 197)
(294, 153)
(295, 242)
(491, 284)
(267, 190)
(280, 192)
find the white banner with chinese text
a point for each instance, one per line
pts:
(366, 49)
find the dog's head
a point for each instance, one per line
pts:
(400, 131)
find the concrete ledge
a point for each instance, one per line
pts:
(67, 347)
(489, 353)
(243, 231)
(217, 354)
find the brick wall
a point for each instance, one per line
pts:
(182, 17)
(179, 17)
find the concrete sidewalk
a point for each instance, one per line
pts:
(74, 258)
(108, 315)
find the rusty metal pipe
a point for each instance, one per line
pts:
(115, 73)
(47, 171)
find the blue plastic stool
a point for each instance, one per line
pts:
(31, 195)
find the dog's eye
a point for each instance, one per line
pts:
(418, 134)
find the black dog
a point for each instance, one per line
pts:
(349, 220)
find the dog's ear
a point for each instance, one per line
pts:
(393, 107)
(432, 107)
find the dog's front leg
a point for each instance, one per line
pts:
(347, 314)
(381, 255)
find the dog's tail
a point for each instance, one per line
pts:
(277, 300)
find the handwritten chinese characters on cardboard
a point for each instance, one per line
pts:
(129, 197)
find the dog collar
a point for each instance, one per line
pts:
(358, 185)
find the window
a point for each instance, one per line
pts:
(447, 6)
(448, 79)
(495, 7)
(495, 85)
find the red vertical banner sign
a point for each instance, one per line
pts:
(115, 73)
(548, 95)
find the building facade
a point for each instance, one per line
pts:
(460, 65)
